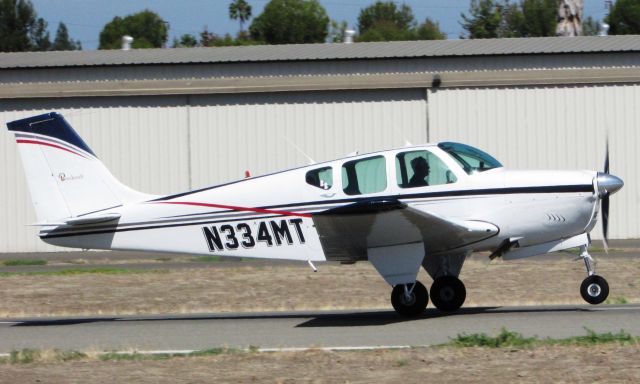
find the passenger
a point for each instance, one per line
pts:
(420, 172)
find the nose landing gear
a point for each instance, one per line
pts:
(594, 289)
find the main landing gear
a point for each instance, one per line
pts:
(594, 289)
(409, 299)
(447, 294)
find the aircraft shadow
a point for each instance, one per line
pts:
(384, 318)
(327, 319)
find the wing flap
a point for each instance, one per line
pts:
(347, 232)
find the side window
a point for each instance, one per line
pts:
(364, 176)
(320, 178)
(420, 169)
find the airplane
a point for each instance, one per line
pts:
(428, 206)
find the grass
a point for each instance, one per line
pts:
(22, 262)
(504, 339)
(29, 356)
(593, 338)
(84, 271)
(576, 251)
(508, 338)
(206, 259)
(617, 300)
(135, 356)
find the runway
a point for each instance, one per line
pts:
(334, 329)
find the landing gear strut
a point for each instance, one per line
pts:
(409, 299)
(448, 293)
(594, 289)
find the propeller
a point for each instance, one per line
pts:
(607, 185)
(605, 203)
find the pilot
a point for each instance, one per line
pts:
(420, 172)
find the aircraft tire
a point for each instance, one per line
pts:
(448, 293)
(594, 289)
(413, 307)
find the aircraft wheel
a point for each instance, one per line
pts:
(412, 305)
(448, 293)
(594, 289)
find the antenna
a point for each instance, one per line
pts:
(311, 161)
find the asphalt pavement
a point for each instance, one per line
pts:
(308, 329)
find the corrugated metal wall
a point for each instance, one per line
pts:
(563, 127)
(169, 144)
(230, 135)
(142, 141)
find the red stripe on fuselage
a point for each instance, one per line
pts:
(23, 141)
(234, 208)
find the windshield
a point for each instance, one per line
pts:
(471, 159)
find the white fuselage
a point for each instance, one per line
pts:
(271, 216)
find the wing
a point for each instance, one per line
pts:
(347, 232)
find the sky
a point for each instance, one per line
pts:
(86, 18)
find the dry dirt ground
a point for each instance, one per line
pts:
(237, 288)
(251, 288)
(556, 364)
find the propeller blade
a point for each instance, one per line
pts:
(606, 158)
(605, 222)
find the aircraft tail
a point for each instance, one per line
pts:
(65, 177)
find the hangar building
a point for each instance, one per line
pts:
(167, 120)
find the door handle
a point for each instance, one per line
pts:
(328, 194)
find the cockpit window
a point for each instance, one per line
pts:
(421, 169)
(364, 176)
(320, 178)
(471, 159)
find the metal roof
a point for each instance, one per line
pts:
(308, 52)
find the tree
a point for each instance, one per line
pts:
(22, 30)
(291, 22)
(186, 41)
(387, 31)
(240, 10)
(210, 39)
(147, 28)
(501, 18)
(539, 18)
(63, 42)
(336, 31)
(17, 24)
(385, 21)
(590, 27)
(430, 30)
(624, 18)
(484, 20)
(40, 36)
(386, 14)
(513, 22)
